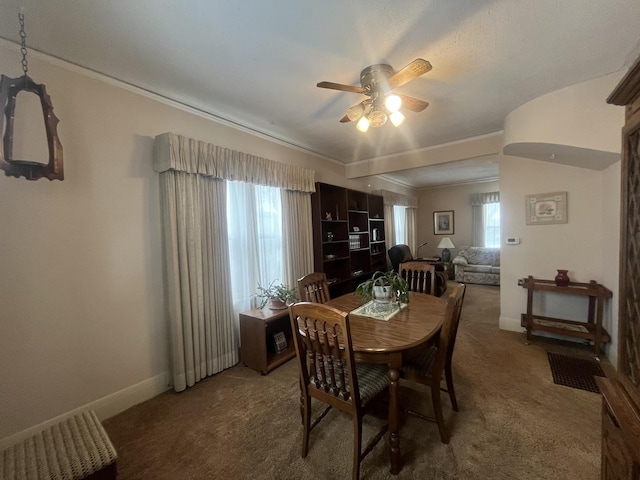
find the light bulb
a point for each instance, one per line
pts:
(355, 112)
(393, 103)
(377, 118)
(396, 118)
(363, 124)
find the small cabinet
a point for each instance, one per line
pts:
(261, 333)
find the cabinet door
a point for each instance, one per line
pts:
(617, 461)
(629, 323)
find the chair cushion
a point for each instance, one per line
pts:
(372, 379)
(422, 363)
(75, 448)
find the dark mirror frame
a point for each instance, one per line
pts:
(9, 89)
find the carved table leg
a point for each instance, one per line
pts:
(394, 433)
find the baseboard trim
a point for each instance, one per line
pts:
(510, 324)
(104, 407)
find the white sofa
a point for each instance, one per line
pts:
(477, 265)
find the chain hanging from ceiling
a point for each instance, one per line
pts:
(9, 90)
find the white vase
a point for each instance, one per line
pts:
(277, 304)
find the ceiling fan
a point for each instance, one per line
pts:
(377, 81)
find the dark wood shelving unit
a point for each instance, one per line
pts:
(348, 236)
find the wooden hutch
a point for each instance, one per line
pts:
(621, 395)
(348, 236)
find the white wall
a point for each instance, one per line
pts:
(588, 244)
(576, 116)
(83, 317)
(456, 198)
(611, 221)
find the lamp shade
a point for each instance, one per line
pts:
(446, 243)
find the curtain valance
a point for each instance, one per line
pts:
(393, 198)
(179, 153)
(484, 198)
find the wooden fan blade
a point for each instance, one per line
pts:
(412, 104)
(345, 119)
(413, 70)
(339, 86)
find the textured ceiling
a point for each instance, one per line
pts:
(256, 63)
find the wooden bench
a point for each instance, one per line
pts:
(76, 448)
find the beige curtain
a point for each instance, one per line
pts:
(297, 234)
(389, 230)
(204, 329)
(175, 152)
(411, 234)
(391, 199)
(203, 333)
(478, 200)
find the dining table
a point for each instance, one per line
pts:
(386, 341)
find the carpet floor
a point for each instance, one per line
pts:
(514, 421)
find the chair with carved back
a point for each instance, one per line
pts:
(420, 276)
(314, 288)
(432, 363)
(328, 372)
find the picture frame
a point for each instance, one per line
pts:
(546, 208)
(443, 222)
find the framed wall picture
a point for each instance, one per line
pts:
(546, 208)
(443, 222)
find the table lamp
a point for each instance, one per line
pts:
(419, 247)
(446, 244)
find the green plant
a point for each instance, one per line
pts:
(276, 291)
(392, 279)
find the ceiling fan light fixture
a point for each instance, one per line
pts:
(377, 118)
(396, 118)
(363, 124)
(376, 82)
(393, 103)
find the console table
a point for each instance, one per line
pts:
(258, 349)
(591, 330)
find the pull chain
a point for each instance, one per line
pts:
(23, 38)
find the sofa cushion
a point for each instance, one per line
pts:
(460, 260)
(478, 256)
(478, 268)
(481, 278)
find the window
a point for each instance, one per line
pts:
(254, 223)
(400, 224)
(491, 213)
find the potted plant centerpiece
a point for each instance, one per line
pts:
(384, 287)
(277, 295)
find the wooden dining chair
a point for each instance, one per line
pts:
(432, 363)
(420, 276)
(314, 288)
(328, 372)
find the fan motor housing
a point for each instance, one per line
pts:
(375, 76)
